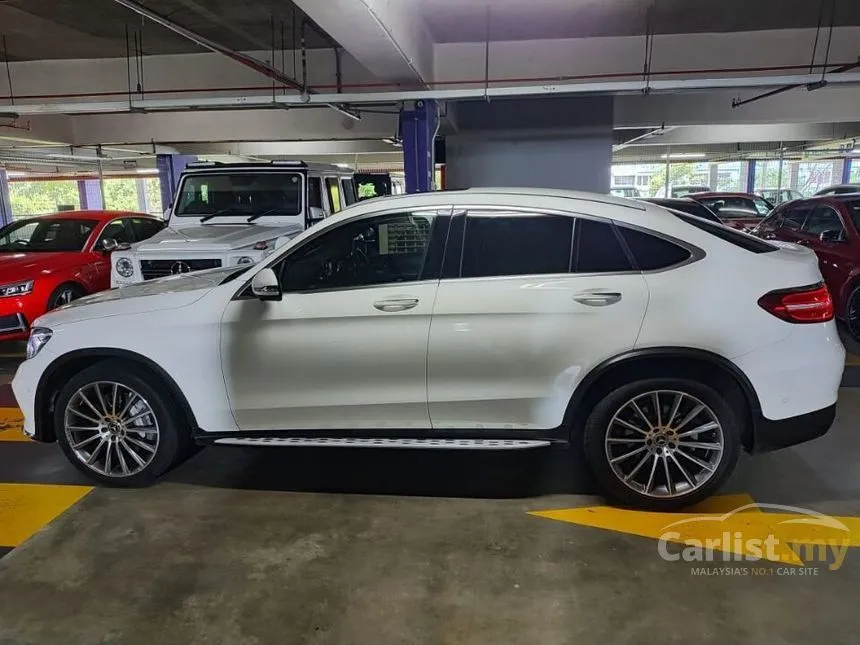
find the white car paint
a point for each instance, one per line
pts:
(504, 352)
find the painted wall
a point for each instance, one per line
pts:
(553, 143)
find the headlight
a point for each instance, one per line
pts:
(16, 289)
(39, 336)
(124, 267)
(245, 260)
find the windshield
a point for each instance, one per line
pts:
(236, 194)
(47, 234)
(730, 207)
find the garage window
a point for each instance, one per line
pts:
(651, 252)
(510, 243)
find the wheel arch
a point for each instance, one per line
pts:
(66, 365)
(702, 365)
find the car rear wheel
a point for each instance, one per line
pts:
(63, 295)
(662, 444)
(116, 424)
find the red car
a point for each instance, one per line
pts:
(738, 210)
(49, 261)
(831, 227)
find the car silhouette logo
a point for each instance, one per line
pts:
(180, 267)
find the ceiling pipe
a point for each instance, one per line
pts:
(239, 57)
(811, 86)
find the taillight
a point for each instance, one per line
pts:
(811, 304)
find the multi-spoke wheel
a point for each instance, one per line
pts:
(852, 314)
(115, 424)
(662, 443)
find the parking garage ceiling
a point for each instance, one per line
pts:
(47, 29)
(459, 21)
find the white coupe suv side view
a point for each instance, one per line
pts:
(661, 343)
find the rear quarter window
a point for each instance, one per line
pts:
(651, 252)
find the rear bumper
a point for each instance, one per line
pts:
(771, 435)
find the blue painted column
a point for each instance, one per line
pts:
(5, 202)
(846, 170)
(90, 194)
(751, 176)
(417, 131)
(170, 167)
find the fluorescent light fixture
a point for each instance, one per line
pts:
(394, 141)
(342, 165)
(684, 155)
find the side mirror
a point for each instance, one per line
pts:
(316, 214)
(265, 285)
(831, 236)
(108, 245)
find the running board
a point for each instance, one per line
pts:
(346, 442)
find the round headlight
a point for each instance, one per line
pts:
(245, 260)
(125, 267)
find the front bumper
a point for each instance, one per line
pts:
(24, 386)
(771, 435)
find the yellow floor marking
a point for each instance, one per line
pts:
(26, 508)
(733, 524)
(852, 359)
(11, 423)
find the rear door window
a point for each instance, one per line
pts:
(598, 248)
(823, 218)
(348, 188)
(513, 243)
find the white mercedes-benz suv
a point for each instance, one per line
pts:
(660, 343)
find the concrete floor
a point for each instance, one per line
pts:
(256, 546)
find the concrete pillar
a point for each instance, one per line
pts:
(793, 174)
(845, 172)
(713, 175)
(5, 202)
(169, 169)
(90, 193)
(142, 201)
(417, 130)
(548, 143)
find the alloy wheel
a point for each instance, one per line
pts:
(664, 443)
(111, 429)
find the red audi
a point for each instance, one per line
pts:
(48, 261)
(743, 211)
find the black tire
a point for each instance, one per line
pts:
(70, 290)
(598, 425)
(174, 443)
(852, 313)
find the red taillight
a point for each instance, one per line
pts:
(811, 304)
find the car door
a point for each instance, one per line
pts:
(346, 347)
(835, 249)
(526, 306)
(98, 266)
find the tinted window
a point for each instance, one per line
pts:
(854, 208)
(46, 235)
(119, 230)
(795, 217)
(348, 186)
(728, 207)
(516, 244)
(729, 235)
(146, 228)
(598, 249)
(651, 252)
(822, 219)
(378, 250)
(315, 192)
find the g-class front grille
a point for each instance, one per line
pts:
(161, 268)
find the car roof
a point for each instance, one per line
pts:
(100, 215)
(719, 194)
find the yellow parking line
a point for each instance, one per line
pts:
(26, 508)
(11, 423)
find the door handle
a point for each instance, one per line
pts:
(597, 298)
(396, 304)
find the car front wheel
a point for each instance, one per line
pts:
(662, 444)
(115, 423)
